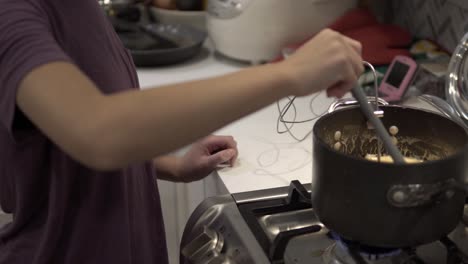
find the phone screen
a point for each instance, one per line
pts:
(397, 74)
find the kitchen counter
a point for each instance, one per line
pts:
(206, 64)
(267, 159)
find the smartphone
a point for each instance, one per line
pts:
(397, 79)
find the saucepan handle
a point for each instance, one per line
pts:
(346, 102)
(414, 195)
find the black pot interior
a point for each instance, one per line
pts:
(422, 135)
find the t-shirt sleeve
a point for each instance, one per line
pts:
(26, 42)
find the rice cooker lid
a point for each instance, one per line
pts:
(457, 79)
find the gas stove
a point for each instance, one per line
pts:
(279, 226)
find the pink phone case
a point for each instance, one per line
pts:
(396, 82)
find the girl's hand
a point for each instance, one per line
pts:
(205, 155)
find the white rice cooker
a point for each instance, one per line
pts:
(257, 30)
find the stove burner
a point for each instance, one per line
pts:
(367, 252)
(338, 254)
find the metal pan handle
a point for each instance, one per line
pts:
(347, 102)
(414, 195)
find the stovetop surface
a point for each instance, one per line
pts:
(318, 248)
(290, 232)
(279, 226)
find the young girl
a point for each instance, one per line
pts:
(81, 145)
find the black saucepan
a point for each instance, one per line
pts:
(388, 205)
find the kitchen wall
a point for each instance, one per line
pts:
(444, 21)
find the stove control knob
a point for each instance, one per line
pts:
(465, 215)
(205, 248)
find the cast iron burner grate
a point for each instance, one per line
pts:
(299, 198)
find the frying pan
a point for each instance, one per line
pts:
(163, 44)
(154, 44)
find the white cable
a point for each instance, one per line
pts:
(289, 124)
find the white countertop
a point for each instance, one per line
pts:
(267, 159)
(206, 64)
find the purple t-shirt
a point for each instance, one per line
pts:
(63, 211)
